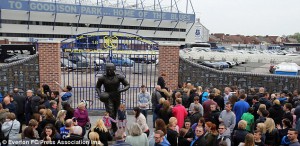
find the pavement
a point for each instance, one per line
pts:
(130, 121)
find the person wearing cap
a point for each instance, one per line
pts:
(112, 95)
(144, 100)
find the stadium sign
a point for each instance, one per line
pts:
(93, 10)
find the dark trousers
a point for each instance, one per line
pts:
(21, 119)
(154, 117)
(112, 106)
(27, 118)
(145, 113)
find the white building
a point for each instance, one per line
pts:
(30, 20)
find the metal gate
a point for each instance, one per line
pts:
(84, 57)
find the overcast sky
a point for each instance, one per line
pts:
(249, 17)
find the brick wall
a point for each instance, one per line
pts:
(169, 64)
(49, 64)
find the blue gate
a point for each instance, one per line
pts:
(84, 57)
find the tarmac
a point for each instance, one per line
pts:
(130, 121)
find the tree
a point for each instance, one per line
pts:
(297, 36)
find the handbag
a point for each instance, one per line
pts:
(88, 126)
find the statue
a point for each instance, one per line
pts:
(112, 95)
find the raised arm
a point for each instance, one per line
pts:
(60, 86)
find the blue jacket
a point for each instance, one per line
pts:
(165, 142)
(66, 96)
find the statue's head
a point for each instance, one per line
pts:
(110, 69)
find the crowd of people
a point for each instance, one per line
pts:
(194, 116)
(185, 116)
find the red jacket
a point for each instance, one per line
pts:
(179, 112)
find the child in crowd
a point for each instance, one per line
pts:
(122, 117)
(257, 138)
(107, 121)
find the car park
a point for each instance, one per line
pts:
(211, 65)
(79, 59)
(120, 61)
(16, 58)
(67, 65)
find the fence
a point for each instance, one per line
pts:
(199, 75)
(23, 74)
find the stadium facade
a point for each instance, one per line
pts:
(31, 20)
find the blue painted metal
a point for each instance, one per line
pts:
(83, 80)
(89, 10)
(0, 17)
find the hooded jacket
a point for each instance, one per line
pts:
(15, 128)
(224, 137)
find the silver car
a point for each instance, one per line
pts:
(15, 58)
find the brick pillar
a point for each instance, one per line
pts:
(49, 64)
(169, 64)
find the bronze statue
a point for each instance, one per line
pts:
(112, 94)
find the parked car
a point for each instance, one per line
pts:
(224, 64)
(98, 63)
(79, 59)
(122, 61)
(231, 63)
(16, 58)
(143, 58)
(211, 65)
(67, 64)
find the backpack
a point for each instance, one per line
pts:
(35, 102)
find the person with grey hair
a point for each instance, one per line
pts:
(136, 136)
(28, 110)
(120, 138)
(196, 115)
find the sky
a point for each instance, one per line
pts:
(249, 17)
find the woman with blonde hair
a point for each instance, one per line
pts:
(218, 99)
(262, 128)
(102, 131)
(272, 134)
(95, 139)
(60, 120)
(240, 133)
(249, 140)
